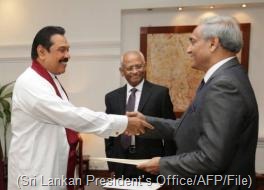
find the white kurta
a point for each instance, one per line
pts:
(39, 148)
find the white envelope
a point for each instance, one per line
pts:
(136, 186)
(118, 160)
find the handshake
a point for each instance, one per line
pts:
(136, 124)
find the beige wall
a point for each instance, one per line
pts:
(98, 30)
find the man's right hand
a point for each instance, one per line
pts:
(137, 126)
(136, 114)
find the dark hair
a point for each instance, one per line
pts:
(43, 38)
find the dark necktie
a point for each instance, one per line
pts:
(201, 86)
(126, 140)
(192, 106)
(131, 100)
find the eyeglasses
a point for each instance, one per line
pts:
(136, 67)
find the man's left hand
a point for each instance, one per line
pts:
(152, 166)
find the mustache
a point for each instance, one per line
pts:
(64, 60)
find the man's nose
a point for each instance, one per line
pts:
(189, 49)
(134, 70)
(68, 54)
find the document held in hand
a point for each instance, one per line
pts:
(119, 160)
(126, 184)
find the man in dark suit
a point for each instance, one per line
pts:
(216, 138)
(150, 99)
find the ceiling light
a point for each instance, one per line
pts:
(179, 8)
(212, 7)
(244, 5)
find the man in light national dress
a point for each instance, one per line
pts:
(44, 122)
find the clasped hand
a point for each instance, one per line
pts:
(137, 124)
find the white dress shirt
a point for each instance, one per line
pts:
(39, 147)
(139, 88)
(138, 93)
(211, 70)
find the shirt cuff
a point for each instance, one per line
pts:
(121, 122)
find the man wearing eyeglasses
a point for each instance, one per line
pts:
(149, 99)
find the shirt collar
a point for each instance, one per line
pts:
(211, 71)
(138, 87)
(52, 75)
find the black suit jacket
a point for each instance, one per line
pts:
(154, 101)
(218, 134)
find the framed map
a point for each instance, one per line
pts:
(169, 65)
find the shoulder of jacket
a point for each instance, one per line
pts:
(114, 92)
(157, 86)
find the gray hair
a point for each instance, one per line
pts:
(132, 52)
(226, 28)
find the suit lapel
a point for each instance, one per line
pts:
(231, 63)
(227, 65)
(122, 99)
(146, 92)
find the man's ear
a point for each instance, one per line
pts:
(121, 71)
(41, 51)
(214, 44)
